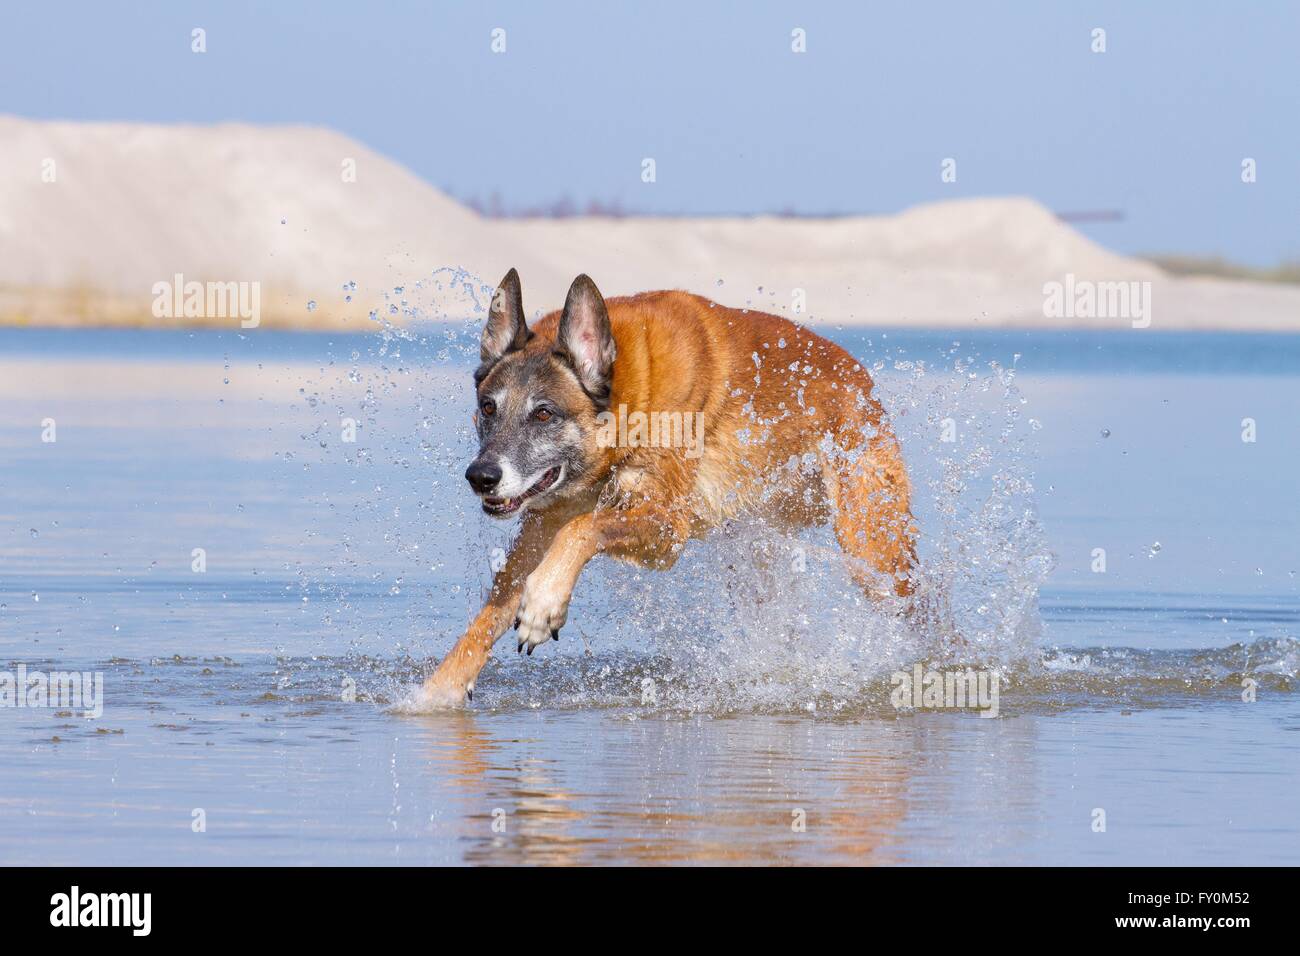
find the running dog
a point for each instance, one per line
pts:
(587, 426)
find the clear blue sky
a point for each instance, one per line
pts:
(1157, 126)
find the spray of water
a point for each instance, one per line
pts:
(754, 618)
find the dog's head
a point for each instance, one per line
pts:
(539, 393)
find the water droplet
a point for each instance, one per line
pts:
(311, 305)
(1155, 549)
(1105, 433)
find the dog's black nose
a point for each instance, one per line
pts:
(483, 476)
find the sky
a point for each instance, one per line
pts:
(1157, 126)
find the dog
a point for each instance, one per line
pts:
(756, 415)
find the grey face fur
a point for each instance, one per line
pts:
(526, 429)
(538, 400)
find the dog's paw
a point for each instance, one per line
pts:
(441, 694)
(542, 612)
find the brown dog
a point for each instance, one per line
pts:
(625, 428)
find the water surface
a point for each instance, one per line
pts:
(260, 691)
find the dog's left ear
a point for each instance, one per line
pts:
(586, 340)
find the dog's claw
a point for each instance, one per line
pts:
(542, 611)
(516, 623)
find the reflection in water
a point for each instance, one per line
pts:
(711, 791)
(509, 809)
(287, 772)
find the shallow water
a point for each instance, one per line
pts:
(692, 716)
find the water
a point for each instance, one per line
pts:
(696, 716)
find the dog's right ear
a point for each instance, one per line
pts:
(506, 330)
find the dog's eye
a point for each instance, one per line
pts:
(488, 408)
(542, 415)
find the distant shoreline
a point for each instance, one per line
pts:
(271, 214)
(829, 329)
(1199, 305)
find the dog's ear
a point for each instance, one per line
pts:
(505, 330)
(585, 339)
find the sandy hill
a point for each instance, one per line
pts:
(92, 215)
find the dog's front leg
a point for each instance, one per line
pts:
(650, 535)
(544, 606)
(453, 681)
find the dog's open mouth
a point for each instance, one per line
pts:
(506, 506)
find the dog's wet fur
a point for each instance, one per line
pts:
(791, 433)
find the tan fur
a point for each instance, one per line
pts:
(792, 434)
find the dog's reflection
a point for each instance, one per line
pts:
(566, 788)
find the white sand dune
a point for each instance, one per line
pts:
(132, 204)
